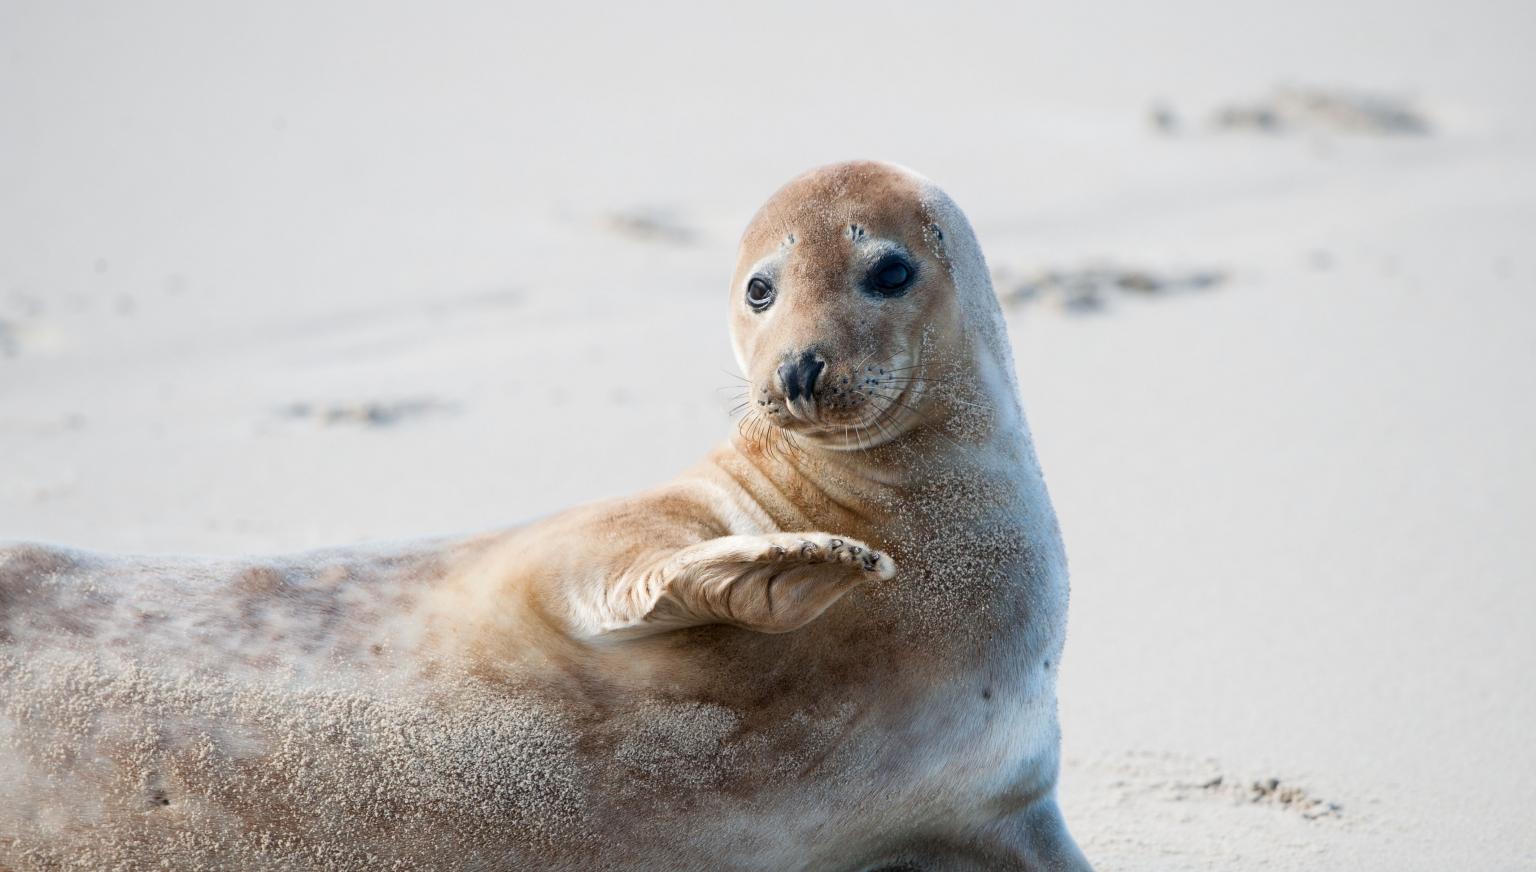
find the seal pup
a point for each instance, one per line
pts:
(830, 646)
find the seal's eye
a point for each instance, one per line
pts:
(891, 276)
(759, 294)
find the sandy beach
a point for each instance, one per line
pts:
(285, 276)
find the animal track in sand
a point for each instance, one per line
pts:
(1094, 288)
(1294, 110)
(1270, 791)
(368, 413)
(1175, 778)
(1159, 811)
(649, 225)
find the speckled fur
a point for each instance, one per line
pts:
(618, 687)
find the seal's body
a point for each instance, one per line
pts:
(832, 645)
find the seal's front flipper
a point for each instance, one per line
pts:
(772, 584)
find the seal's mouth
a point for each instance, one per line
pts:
(887, 417)
(846, 408)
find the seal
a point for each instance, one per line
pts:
(832, 645)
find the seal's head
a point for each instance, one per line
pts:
(854, 297)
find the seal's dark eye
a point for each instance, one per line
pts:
(890, 276)
(759, 293)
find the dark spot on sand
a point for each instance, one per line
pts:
(1095, 288)
(986, 693)
(1271, 792)
(1318, 110)
(370, 413)
(651, 225)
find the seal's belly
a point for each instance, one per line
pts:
(112, 761)
(276, 722)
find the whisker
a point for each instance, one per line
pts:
(881, 427)
(953, 398)
(764, 434)
(903, 383)
(890, 401)
(861, 363)
(781, 443)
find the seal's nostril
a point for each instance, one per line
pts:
(789, 377)
(810, 370)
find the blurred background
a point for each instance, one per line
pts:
(277, 276)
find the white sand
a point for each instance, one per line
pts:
(1299, 504)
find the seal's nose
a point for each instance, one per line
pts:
(798, 375)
